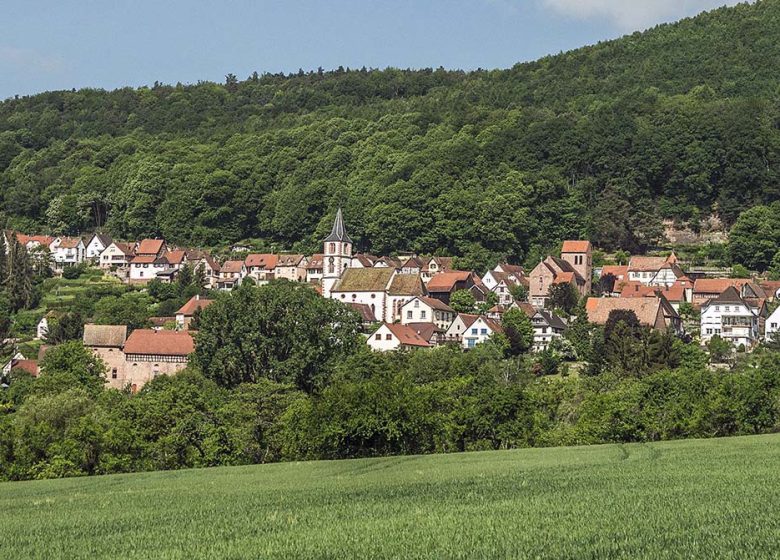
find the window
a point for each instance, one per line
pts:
(332, 247)
(774, 325)
(726, 308)
(544, 330)
(331, 265)
(471, 342)
(717, 308)
(417, 304)
(377, 336)
(409, 314)
(388, 336)
(474, 331)
(483, 331)
(422, 314)
(709, 331)
(113, 373)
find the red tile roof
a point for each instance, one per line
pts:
(176, 257)
(445, 281)
(618, 271)
(571, 246)
(69, 242)
(159, 343)
(315, 262)
(150, 247)
(407, 336)
(232, 266)
(717, 285)
(143, 259)
(195, 303)
(266, 261)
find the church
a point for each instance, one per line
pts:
(382, 289)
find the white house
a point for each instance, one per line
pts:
(421, 309)
(117, 255)
(144, 268)
(547, 326)
(470, 330)
(395, 337)
(654, 271)
(231, 274)
(772, 325)
(730, 317)
(96, 245)
(69, 251)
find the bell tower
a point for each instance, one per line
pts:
(337, 254)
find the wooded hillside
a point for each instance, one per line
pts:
(602, 142)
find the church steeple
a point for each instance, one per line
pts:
(337, 252)
(339, 232)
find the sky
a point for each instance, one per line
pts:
(63, 44)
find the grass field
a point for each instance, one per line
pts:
(687, 499)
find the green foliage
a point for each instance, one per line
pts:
(519, 331)
(739, 271)
(73, 272)
(283, 331)
(463, 301)
(68, 326)
(719, 349)
(563, 297)
(519, 292)
(754, 238)
(131, 309)
(71, 365)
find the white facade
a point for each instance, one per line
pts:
(734, 322)
(417, 310)
(476, 333)
(42, 329)
(383, 340)
(377, 301)
(145, 271)
(113, 256)
(772, 325)
(337, 255)
(95, 248)
(546, 328)
(67, 254)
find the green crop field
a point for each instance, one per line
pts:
(686, 499)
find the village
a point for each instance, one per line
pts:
(408, 302)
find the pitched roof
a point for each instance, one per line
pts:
(578, 246)
(266, 261)
(159, 343)
(770, 287)
(426, 331)
(468, 319)
(406, 285)
(717, 285)
(175, 257)
(127, 248)
(143, 259)
(364, 310)
(552, 319)
(106, 336)
(564, 278)
(445, 281)
(364, 280)
(196, 302)
(434, 303)
(729, 295)
(618, 271)
(315, 261)
(69, 242)
(493, 325)
(150, 247)
(23, 239)
(407, 335)
(444, 264)
(646, 309)
(413, 262)
(365, 259)
(339, 232)
(232, 266)
(288, 260)
(641, 263)
(104, 238)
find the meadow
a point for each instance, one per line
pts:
(695, 499)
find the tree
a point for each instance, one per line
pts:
(131, 309)
(739, 271)
(283, 331)
(719, 349)
(755, 236)
(606, 284)
(19, 276)
(519, 292)
(519, 331)
(463, 301)
(580, 332)
(563, 296)
(68, 326)
(625, 316)
(71, 364)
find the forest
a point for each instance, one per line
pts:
(679, 122)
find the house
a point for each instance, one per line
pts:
(42, 329)
(395, 337)
(106, 342)
(260, 267)
(187, 311)
(730, 317)
(367, 319)
(363, 260)
(388, 262)
(231, 273)
(653, 312)
(552, 271)
(654, 271)
(149, 353)
(402, 288)
(69, 251)
(676, 294)
(772, 325)
(429, 332)
(117, 256)
(29, 366)
(441, 286)
(705, 289)
(291, 267)
(96, 245)
(204, 264)
(497, 311)
(477, 331)
(151, 248)
(383, 290)
(314, 268)
(144, 268)
(436, 265)
(501, 284)
(547, 326)
(422, 309)
(579, 254)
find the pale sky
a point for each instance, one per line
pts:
(47, 45)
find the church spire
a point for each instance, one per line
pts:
(339, 232)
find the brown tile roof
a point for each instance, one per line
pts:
(364, 280)
(159, 343)
(468, 319)
(493, 325)
(444, 264)
(426, 331)
(717, 285)
(770, 287)
(365, 259)
(44, 240)
(289, 260)
(105, 336)
(564, 278)
(127, 248)
(30, 366)
(642, 263)
(445, 281)
(413, 262)
(364, 310)
(143, 259)
(406, 285)
(407, 335)
(150, 247)
(69, 242)
(571, 246)
(645, 308)
(436, 304)
(266, 261)
(195, 303)
(176, 257)
(315, 261)
(232, 266)
(618, 271)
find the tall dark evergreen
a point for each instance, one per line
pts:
(19, 276)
